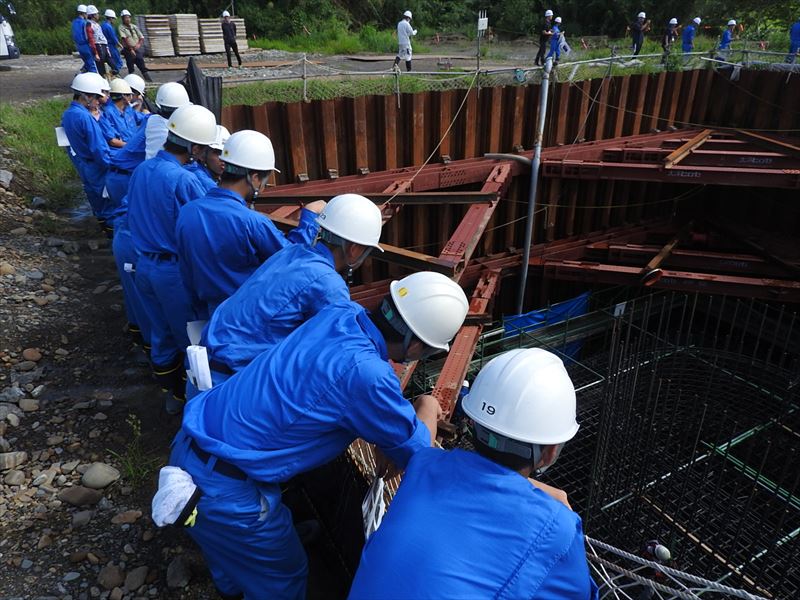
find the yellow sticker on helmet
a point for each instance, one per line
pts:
(402, 292)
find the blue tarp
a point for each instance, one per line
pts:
(548, 316)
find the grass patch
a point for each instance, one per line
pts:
(337, 40)
(136, 464)
(29, 133)
(255, 94)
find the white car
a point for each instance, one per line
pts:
(8, 48)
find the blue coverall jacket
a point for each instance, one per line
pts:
(294, 408)
(727, 38)
(116, 124)
(89, 152)
(82, 44)
(203, 175)
(124, 161)
(288, 289)
(221, 242)
(462, 526)
(688, 38)
(113, 44)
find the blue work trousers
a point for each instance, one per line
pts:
(116, 59)
(124, 252)
(93, 176)
(166, 306)
(244, 531)
(217, 378)
(117, 186)
(89, 66)
(555, 52)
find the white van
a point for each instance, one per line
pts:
(8, 47)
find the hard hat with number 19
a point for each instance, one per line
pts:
(525, 395)
(354, 218)
(432, 305)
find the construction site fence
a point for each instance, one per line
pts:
(399, 119)
(308, 80)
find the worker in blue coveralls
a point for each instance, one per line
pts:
(297, 407)
(88, 149)
(169, 97)
(292, 286)
(724, 49)
(112, 39)
(220, 240)
(689, 32)
(118, 122)
(139, 102)
(207, 164)
(555, 42)
(158, 188)
(472, 524)
(794, 42)
(82, 41)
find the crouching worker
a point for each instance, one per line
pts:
(472, 524)
(292, 286)
(295, 408)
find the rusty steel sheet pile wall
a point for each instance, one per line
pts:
(348, 136)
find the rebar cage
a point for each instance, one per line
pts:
(690, 436)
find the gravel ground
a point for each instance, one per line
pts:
(39, 76)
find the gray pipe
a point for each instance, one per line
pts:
(537, 159)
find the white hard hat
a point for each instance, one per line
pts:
(102, 82)
(249, 151)
(641, 15)
(81, 8)
(697, 20)
(548, 13)
(110, 14)
(407, 14)
(558, 19)
(120, 86)
(525, 395)
(125, 13)
(354, 218)
(91, 9)
(87, 83)
(193, 123)
(432, 306)
(673, 21)
(731, 22)
(225, 13)
(137, 83)
(172, 95)
(222, 136)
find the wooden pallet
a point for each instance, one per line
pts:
(185, 34)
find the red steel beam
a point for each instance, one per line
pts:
(459, 248)
(463, 346)
(766, 178)
(750, 287)
(701, 158)
(786, 147)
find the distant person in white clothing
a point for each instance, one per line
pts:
(404, 34)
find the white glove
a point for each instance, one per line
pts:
(414, 31)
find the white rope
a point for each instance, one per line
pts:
(711, 585)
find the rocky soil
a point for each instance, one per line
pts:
(82, 430)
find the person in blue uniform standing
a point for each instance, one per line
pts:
(794, 42)
(555, 42)
(687, 37)
(292, 286)
(724, 48)
(207, 162)
(158, 188)
(472, 524)
(88, 148)
(220, 240)
(117, 121)
(112, 40)
(295, 408)
(82, 41)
